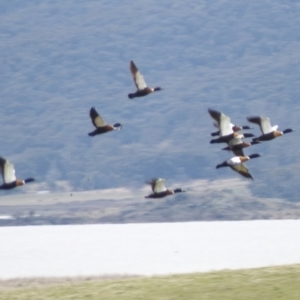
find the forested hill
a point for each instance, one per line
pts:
(60, 58)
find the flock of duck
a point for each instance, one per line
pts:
(227, 132)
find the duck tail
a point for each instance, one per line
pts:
(131, 96)
(215, 133)
(255, 155)
(92, 133)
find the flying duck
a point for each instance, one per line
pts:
(236, 164)
(159, 189)
(269, 132)
(9, 178)
(99, 123)
(226, 129)
(236, 145)
(142, 88)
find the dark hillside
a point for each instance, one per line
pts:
(58, 59)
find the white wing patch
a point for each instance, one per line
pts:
(265, 125)
(159, 186)
(139, 81)
(99, 121)
(234, 161)
(9, 172)
(225, 125)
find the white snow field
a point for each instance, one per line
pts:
(146, 249)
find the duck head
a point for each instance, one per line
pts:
(28, 180)
(287, 130)
(179, 190)
(157, 89)
(255, 155)
(118, 126)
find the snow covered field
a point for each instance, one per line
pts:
(147, 249)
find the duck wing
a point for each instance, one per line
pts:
(236, 140)
(242, 170)
(97, 120)
(263, 122)
(138, 78)
(234, 143)
(223, 122)
(160, 186)
(157, 185)
(7, 171)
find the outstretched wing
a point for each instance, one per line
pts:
(138, 78)
(157, 185)
(263, 122)
(7, 170)
(223, 122)
(234, 145)
(242, 170)
(96, 119)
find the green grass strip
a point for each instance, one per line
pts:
(259, 284)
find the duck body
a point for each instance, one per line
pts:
(144, 92)
(236, 163)
(272, 135)
(161, 194)
(102, 130)
(140, 83)
(14, 184)
(268, 136)
(268, 131)
(159, 189)
(9, 178)
(100, 124)
(9, 186)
